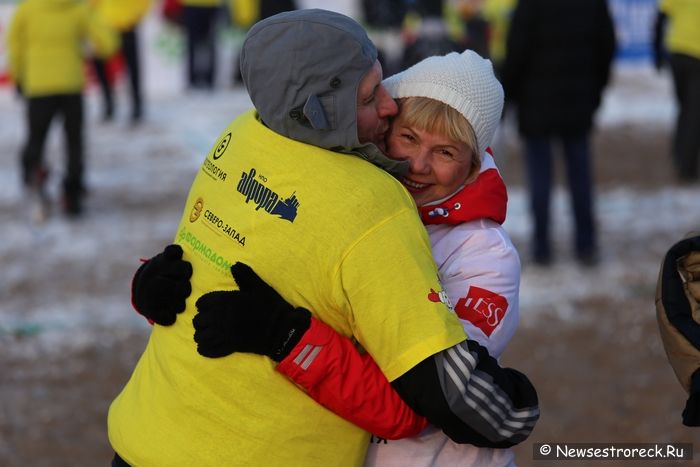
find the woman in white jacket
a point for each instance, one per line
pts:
(449, 108)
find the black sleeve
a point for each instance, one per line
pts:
(463, 391)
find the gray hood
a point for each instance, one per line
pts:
(302, 70)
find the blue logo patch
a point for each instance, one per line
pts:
(267, 199)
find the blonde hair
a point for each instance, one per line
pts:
(439, 118)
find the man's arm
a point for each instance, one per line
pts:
(462, 390)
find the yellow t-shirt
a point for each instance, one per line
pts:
(684, 26)
(331, 233)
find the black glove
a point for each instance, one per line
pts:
(253, 319)
(161, 285)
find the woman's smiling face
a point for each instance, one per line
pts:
(439, 166)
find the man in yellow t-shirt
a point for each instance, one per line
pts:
(288, 190)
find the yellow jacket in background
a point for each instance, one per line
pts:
(200, 2)
(684, 26)
(244, 13)
(498, 14)
(47, 41)
(122, 14)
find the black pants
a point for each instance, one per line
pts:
(129, 49)
(540, 166)
(40, 113)
(200, 23)
(686, 141)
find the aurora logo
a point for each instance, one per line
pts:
(267, 199)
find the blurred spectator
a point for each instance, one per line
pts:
(476, 27)
(245, 13)
(682, 42)
(558, 60)
(124, 16)
(199, 18)
(171, 11)
(272, 7)
(384, 20)
(46, 43)
(432, 36)
(497, 14)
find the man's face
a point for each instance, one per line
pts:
(374, 108)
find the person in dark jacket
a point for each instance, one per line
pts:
(558, 59)
(678, 317)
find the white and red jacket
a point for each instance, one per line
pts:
(480, 271)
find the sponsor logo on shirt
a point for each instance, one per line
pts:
(196, 209)
(215, 222)
(482, 308)
(210, 168)
(202, 249)
(266, 199)
(440, 296)
(221, 146)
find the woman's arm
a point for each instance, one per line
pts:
(333, 372)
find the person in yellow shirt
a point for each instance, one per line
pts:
(124, 16)
(46, 41)
(292, 189)
(682, 41)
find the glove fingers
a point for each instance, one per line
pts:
(212, 343)
(208, 335)
(215, 300)
(168, 291)
(246, 278)
(178, 270)
(206, 319)
(165, 319)
(176, 305)
(172, 252)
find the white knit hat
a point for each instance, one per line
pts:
(465, 82)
